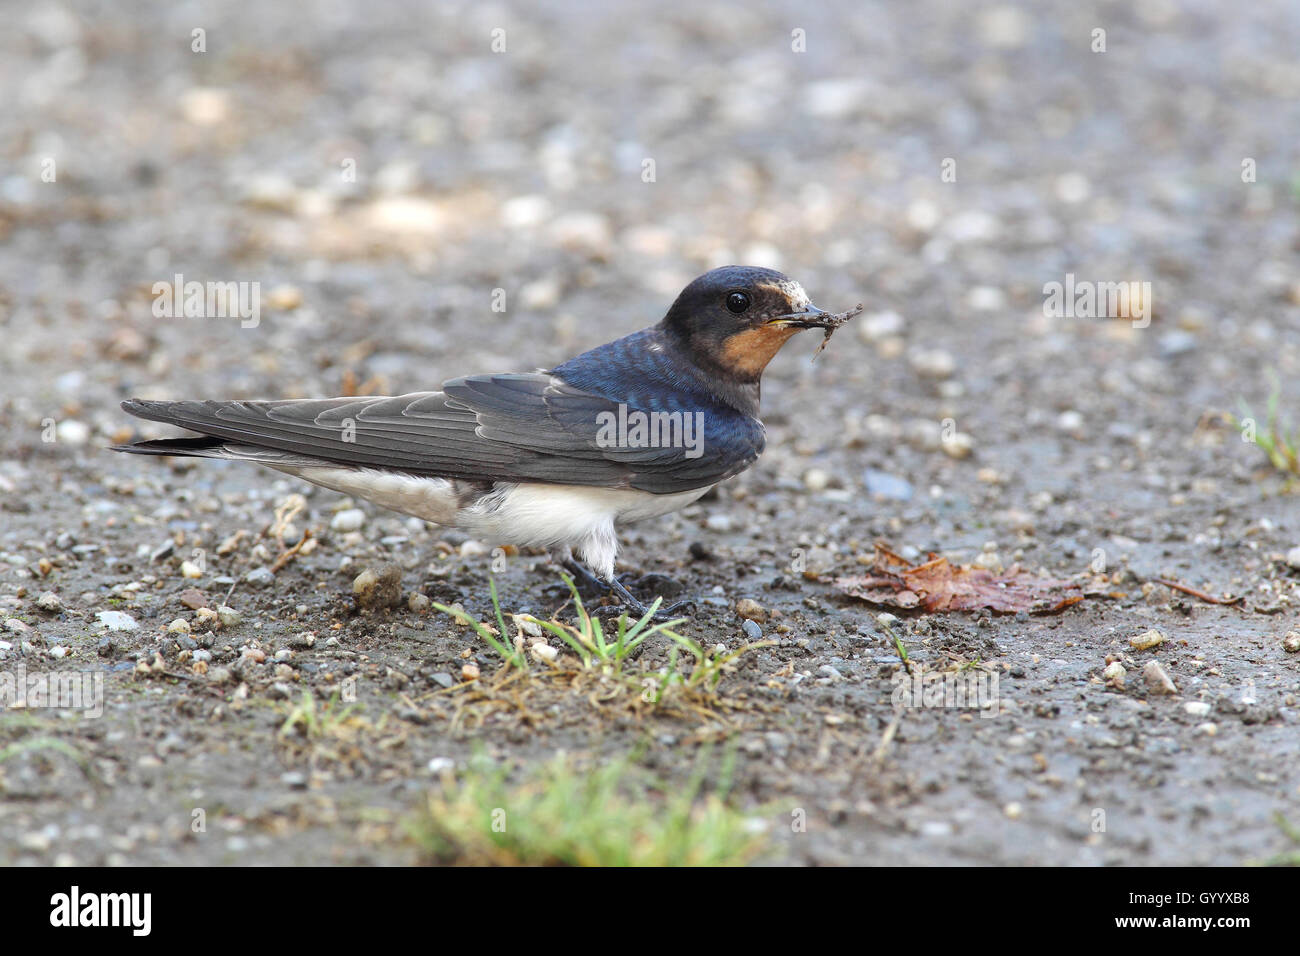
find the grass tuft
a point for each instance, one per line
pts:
(611, 814)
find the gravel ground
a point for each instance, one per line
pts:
(388, 179)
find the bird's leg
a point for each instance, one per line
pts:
(592, 581)
(641, 609)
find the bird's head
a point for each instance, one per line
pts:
(736, 318)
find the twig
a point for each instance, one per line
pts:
(1194, 592)
(289, 555)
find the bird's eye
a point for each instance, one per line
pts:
(737, 302)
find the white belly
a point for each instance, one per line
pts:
(527, 514)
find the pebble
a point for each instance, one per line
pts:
(1157, 680)
(302, 639)
(1115, 673)
(1293, 557)
(417, 602)
(378, 589)
(193, 599)
(179, 626)
(350, 519)
(885, 485)
(880, 325)
(49, 603)
(190, 570)
(1070, 421)
(469, 672)
(1208, 729)
(439, 764)
(932, 363)
(719, 522)
(294, 779)
(117, 620)
(260, 577)
(442, 679)
(1147, 640)
(752, 630)
(219, 675)
(543, 651)
(958, 445)
(1197, 708)
(751, 610)
(815, 479)
(229, 616)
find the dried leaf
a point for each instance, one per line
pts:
(938, 585)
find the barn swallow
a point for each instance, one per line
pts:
(633, 429)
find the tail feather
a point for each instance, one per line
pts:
(201, 447)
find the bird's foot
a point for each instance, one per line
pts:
(662, 613)
(590, 586)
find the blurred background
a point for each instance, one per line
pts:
(424, 190)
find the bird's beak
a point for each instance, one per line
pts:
(814, 318)
(811, 318)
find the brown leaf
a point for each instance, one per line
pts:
(938, 585)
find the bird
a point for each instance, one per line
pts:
(555, 458)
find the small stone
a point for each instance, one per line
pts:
(1156, 679)
(542, 651)
(752, 630)
(417, 602)
(284, 298)
(1147, 640)
(1293, 557)
(190, 570)
(219, 675)
(179, 626)
(378, 589)
(816, 479)
(193, 598)
(1208, 729)
(349, 519)
(1013, 810)
(751, 610)
(260, 577)
(229, 616)
(1291, 643)
(473, 549)
(719, 522)
(1070, 421)
(207, 617)
(163, 551)
(49, 603)
(469, 672)
(116, 620)
(884, 485)
(1114, 674)
(439, 764)
(294, 779)
(879, 325)
(303, 639)
(957, 445)
(933, 363)
(442, 679)
(1197, 708)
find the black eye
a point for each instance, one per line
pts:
(737, 302)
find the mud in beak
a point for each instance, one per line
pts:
(814, 318)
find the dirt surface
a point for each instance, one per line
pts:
(1083, 444)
